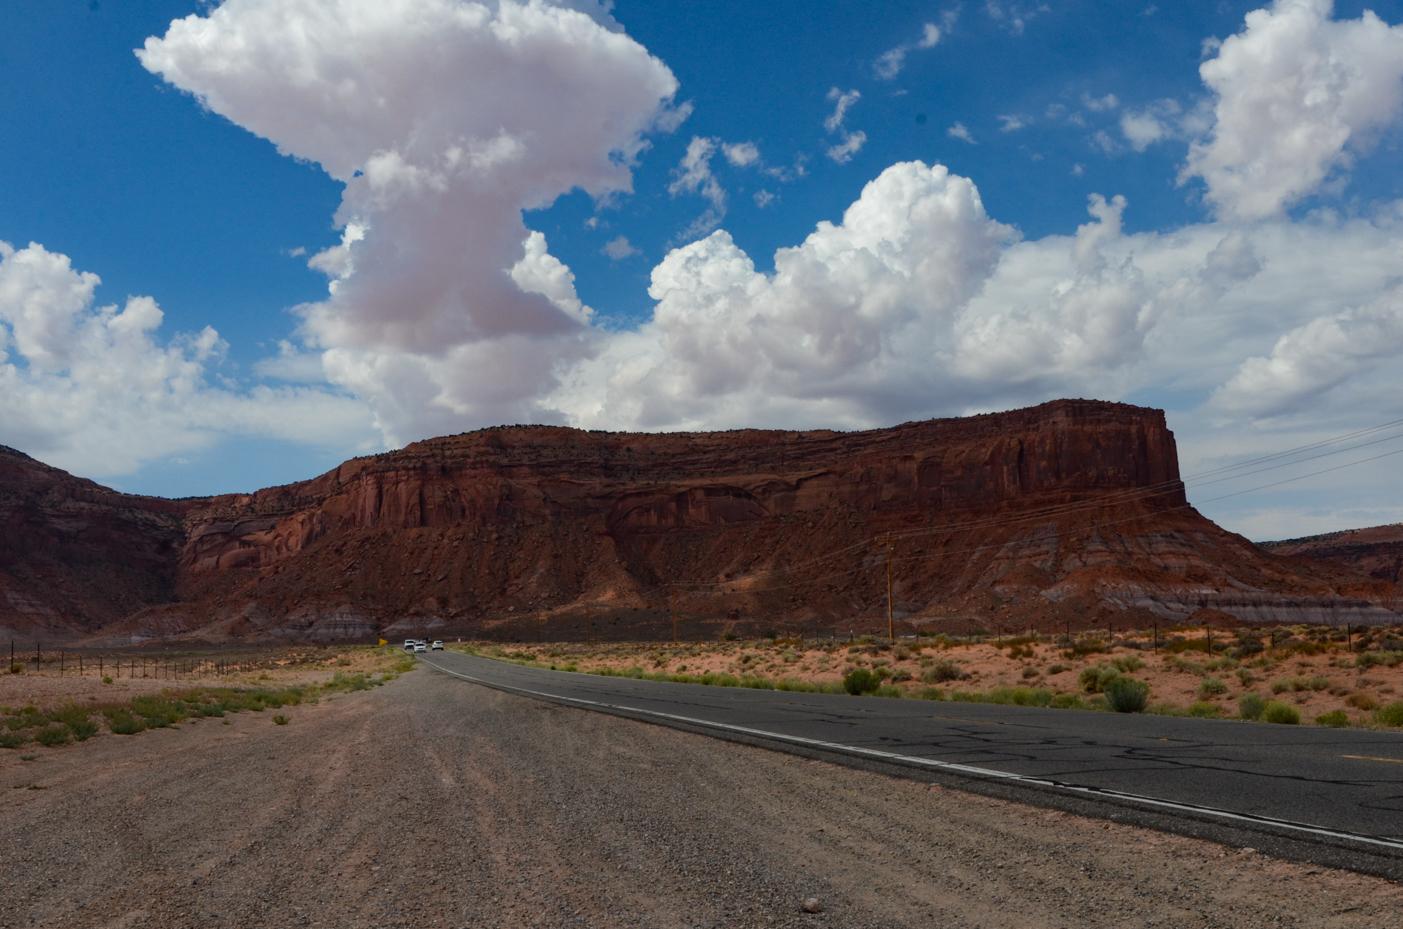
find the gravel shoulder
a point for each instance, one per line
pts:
(434, 802)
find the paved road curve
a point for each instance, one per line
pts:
(1309, 787)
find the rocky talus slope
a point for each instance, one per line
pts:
(1067, 513)
(1376, 551)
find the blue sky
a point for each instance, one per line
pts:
(1246, 282)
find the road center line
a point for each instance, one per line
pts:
(1372, 758)
(970, 770)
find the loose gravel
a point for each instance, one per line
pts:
(431, 802)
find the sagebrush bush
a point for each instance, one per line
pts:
(1391, 715)
(1126, 695)
(1362, 701)
(12, 740)
(1335, 719)
(943, 670)
(1203, 710)
(861, 681)
(1211, 687)
(1251, 705)
(1281, 713)
(1094, 680)
(1127, 663)
(52, 735)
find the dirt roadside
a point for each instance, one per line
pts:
(432, 802)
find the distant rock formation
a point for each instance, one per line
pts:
(1068, 513)
(75, 555)
(1376, 551)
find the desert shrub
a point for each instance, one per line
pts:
(931, 693)
(1202, 710)
(1094, 680)
(52, 735)
(1369, 659)
(1278, 687)
(1336, 719)
(894, 693)
(944, 669)
(1058, 669)
(1030, 673)
(860, 681)
(280, 720)
(1183, 665)
(1362, 701)
(106, 679)
(1069, 702)
(1089, 647)
(900, 653)
(899, 675)
(1244, 677)
(76, 719)
(1127, 663)
(120, 721)
(159, 711)
(1179, 646)
(1391, 715)
(1211, 687)
(1251, 705)
(1281, 713)
(1018, 696)
(12, 740)
(1126, 695)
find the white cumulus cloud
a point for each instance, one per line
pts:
(1297, 92)
(889, 64)
(851, 142)
(91, 389)
(444, 119)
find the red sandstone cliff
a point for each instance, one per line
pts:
(1376, 551)
(1067, 512)
(74, 554)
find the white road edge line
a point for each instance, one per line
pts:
(953, 766)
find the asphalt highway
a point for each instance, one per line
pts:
(1333, 796)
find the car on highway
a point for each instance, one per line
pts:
(420, 647)
(437, 646)
(409, 644)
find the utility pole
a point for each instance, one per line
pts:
(674, 616)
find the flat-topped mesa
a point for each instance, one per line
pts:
(1057, 453)
(1071, 512)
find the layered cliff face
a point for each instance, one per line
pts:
(1376, 551)
(1070, 512)
(75, 555)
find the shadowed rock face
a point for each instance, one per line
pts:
(1067, 512)
(74, 554)
(1376, 551)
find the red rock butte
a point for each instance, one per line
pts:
(1066, 514)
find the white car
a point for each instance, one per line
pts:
(409, 644)
(437, 646)
(420, 647)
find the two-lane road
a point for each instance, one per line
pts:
(1328, 795)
